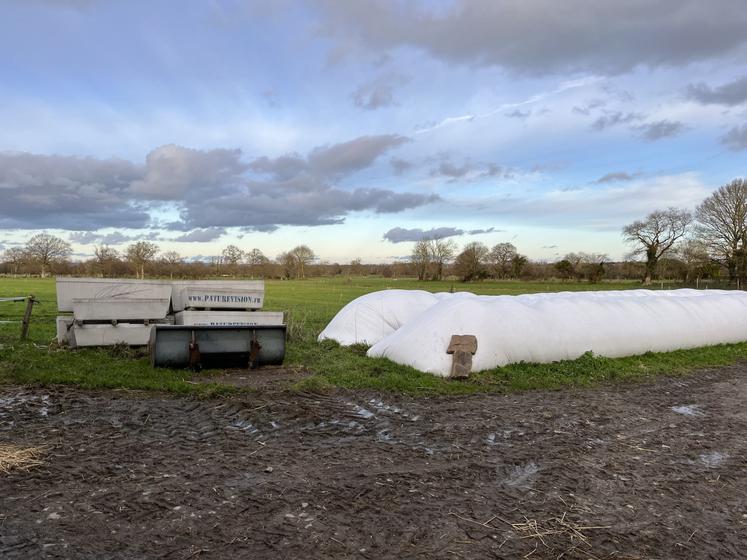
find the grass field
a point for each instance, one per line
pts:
(310, 304)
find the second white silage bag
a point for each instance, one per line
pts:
(371, 317)
(544, 328)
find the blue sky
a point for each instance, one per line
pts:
(356, 127)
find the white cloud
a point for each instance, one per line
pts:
(591, 207)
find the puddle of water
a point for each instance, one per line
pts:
(361, 412)
(17, 400)
(383, 435)
(381, 406)
(713, 459)
(520, 474)
(336, 423)
(14, 401)
(688, 410)
(245, 426)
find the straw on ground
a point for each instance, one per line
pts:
(13, 457)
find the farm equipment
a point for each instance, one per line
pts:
(184, 323)
(198, 346)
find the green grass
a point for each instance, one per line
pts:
(310, 304)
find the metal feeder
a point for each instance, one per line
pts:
(201, 346)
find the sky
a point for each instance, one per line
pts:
(359, 127)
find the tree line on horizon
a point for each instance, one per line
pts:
(698, 246)
(44, 253)
(672, 243)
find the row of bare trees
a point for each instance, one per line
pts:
(294, 262)
(715, 236)
(430, 256)
(44, 253)
(475, 261)
(686, 246)
(583, 266)
(42, 250)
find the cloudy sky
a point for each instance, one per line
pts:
(357, 127)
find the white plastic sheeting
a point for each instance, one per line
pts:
(414, 328)
(371, 317)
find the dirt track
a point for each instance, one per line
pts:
(658, 470)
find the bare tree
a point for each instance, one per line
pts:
(215, 262)
(355, 267)
(288, 263)
(694, 256)
(722, 225)
(172, 260)
(255, 257)
(106, 259)
(653, 236)
(441, 252)
(256, 261)
(574, 261)
(421, 258)
(302, 255)
(294, 262)
(45, 249)
(589, 266)
(15, 257)
(232, 256)
(469, 263)
(592, 266)
(518, 263)
(500, 258)
(140, 254)
(565, 268)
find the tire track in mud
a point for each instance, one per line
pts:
(132, 475)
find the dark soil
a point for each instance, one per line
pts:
(648, 470)
(266, 378)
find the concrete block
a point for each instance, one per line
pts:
(109, 335)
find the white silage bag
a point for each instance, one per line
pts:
(371, 317)
(544, 328)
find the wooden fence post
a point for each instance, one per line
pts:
(30, 301)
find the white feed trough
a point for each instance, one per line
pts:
(219, 314)
(70, 290)
(120, 309)
(217, 294)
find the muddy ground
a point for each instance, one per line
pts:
(650, 470)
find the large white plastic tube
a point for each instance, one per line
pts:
(549, 327)
(374, 316)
